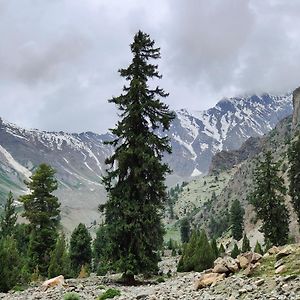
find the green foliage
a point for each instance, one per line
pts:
(219, 226)
(160, 279)
(198, 254)
(185, 230)
(258, 248)
(267, 245)
(80, 248)
(110, 293)
(9, 218)
(10, 264)
(221, 250)
(21, 235)
(71, 296)
(214, 247)
(235, 251)
(245, 244)
(268, 200)
(59, 260)
(100, 250)
(294, 174)
(237, 219)
(41, 209)
(136, 189)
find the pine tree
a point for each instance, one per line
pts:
(204, 256)
(268, 200)
(9, 218)
(185, 229)
(214, 247)
(237, 219)
(294, 174)
(41, 209)
(258, 249)
(222, 250)
(235, 251)
(10, 264)
(135, 179)
(80, 248)
(245, 244)
(59, 259)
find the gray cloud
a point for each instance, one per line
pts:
(59, 59)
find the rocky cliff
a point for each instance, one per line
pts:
(296, 103)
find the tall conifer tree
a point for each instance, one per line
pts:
(135, 179)
(268, 200)
(237, 219)
(9, 218)
(41, 208)
(294, 174)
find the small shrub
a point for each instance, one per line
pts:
(71, 296)
(110, 293)
(160, 280)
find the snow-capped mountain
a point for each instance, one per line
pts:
(79, 158)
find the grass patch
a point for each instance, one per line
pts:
(71, 296)
(110, 293)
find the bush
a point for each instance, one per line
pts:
(160, 280)
(71, 296)
(110, 293)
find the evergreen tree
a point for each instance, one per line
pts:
(135, 179)
(100, 249)
(214, 247)
(80, 248)
(268, 200)
(204, 255)
(294, 174)
(222, 250)
(245, 244)
(10, 264)
(237, 219)
(41, 209)
(258, 249)
(9, 218)
(59, 259)
(185, 229)
(235, 251)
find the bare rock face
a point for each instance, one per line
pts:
(296, 103)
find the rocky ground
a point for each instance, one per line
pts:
(264, 283)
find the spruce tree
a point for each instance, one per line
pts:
(258, 249)
(222, 250)
(10, 264)
(214, 247)
(268, 200)
(245, 244)
(185, 229)
(294, 174)
(136, 175)
(237, 219)
(59, 259)
(235, 251)
(80, 249)
(41, 208)
(9, 218)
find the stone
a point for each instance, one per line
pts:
(284, 252)
(243, 261)
(273, 250)
(208, 279)
(278, 263)
(255, 257)
(259, 282)
(220, 269)
(53, 282)
(281, 269)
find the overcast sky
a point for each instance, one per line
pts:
(59, 58)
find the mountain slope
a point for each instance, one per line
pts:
(79, 158)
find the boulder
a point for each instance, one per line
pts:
(278, 263)
(273, 250)
(284, 252)
(208, 279)
(242, 261)
(220, 268)
(281, 269)
(227, 262)
(53, 282)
